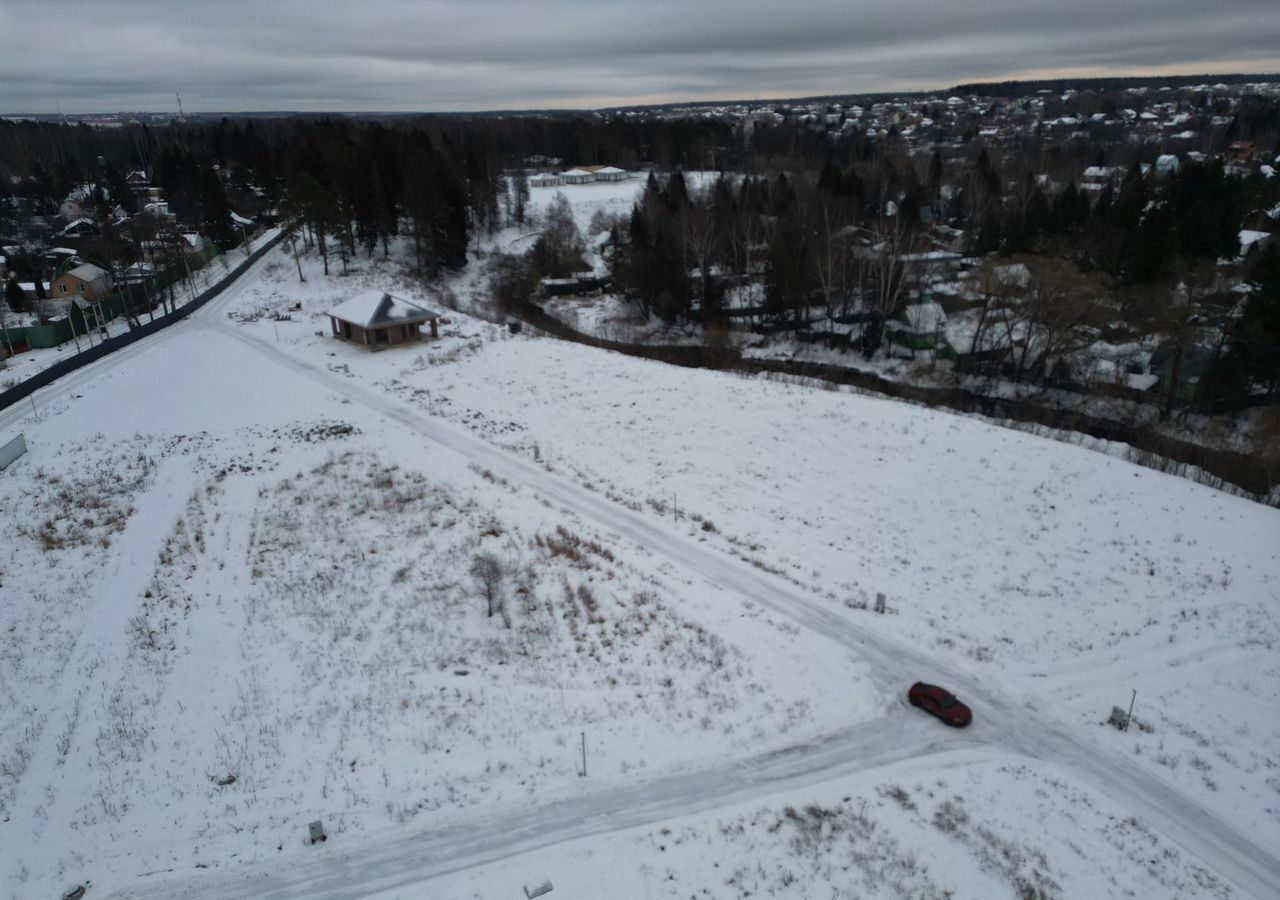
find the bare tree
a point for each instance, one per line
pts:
(700, 234)
(293, 248)
(884, 281)
(747, 251)
(490, 575)
(831, 256)
(558, 250)
(1038, 306)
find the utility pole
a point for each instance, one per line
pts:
(191, 288)
(1129, 717)
(84, 320)
(72, 323)
(584, 755)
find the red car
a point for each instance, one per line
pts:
(941, 703)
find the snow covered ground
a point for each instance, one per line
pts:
(239, 598)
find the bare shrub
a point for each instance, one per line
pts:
(489, 574)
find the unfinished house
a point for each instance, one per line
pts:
(375, 320)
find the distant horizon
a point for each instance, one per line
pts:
(445, 56)
(1238, 77)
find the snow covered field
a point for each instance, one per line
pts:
(239, 598)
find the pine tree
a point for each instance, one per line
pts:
(1256, 339)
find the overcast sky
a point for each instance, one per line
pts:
(365, 55)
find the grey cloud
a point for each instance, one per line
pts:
(388, 55)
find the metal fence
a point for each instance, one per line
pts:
(110, 345)
(12, 450)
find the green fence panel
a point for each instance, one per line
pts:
(39, 337)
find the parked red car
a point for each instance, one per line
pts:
(941, 703)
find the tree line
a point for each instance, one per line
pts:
(802, 226)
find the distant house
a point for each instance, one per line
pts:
(375, 320)
(545, 179)
(920, 326)
(579, 283)
(196, 242)
(73, 209)
(80, 228)
(577, 176)
(1240, 151)
(1102, 174)
(87, 282)
(1253, 241)
(79, 202)
(606, 173)
(28, 289)
(138, 273)
(158, 209)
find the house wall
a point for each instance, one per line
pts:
(377, 338)
(68, 285)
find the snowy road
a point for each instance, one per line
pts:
(72, 382)
(1004, 725)
(380, 865)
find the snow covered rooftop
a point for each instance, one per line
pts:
(925, 317)
(1015, 275)
(1249, 237)
(87, 272)
(376, 308)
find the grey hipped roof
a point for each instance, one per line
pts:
(87, 272)
(376, 309)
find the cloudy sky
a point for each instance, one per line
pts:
(364, 55)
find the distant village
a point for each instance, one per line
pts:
(952, 228)
(70, 261)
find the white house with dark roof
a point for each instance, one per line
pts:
(79, 202)
(375, 320)
(606, 173)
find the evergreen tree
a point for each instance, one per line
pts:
(557, 253)
(15, 297)
(1256, 338)
(213, 210)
